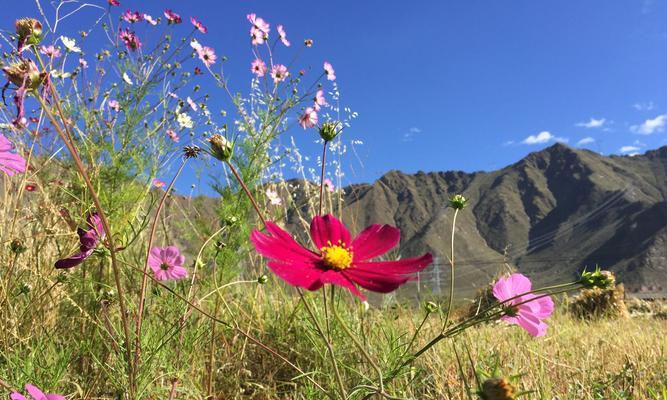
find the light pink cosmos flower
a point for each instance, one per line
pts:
(158, 183)
(50, 51)
(114, 105)
(279, 73)
(173, 135)
(10, 163)
(328, 185)
(207, 55)
(273, 197)
(150, 19)
(258, 67)
(329, 71)
(167, 263)
(309, 118)
(319, 100)
(259, 23)
(114, 2)
(283, 35)
(172, 17)
(132, 17)
(83, 63)
(531, 313)
(198, 25)
(36, 394)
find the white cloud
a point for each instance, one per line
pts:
(543, 137)
(647, 106)
(651, 126)
(411, 133)
(586, 140)
(593, 123)
(629, 149)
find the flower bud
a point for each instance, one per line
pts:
(221, 148)
(598, 279)
(17, 247)
(262, 279)
(458, 202)
(29, 31)
(431, 307)
(497, 389)
(329, 131)
(24, 288)
(23, 73)
(61, 278)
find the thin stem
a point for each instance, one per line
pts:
(324, 157)
(144, 280)
(105, 224)
(451, 264)
(247, 192)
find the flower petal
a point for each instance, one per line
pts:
(541, 307)
(511, 286)
(16, 396)
(279, 245)
(35, 392)
(339, 279)
(376, 282)
(398, 267)
(328, 229)
(533, 325)
(302, 274)
(74, 260)
(375, 241)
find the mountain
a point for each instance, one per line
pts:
(550, 215)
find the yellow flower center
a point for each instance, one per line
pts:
(337, 257)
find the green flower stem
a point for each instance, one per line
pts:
(324, 157)
(247, 192)
(451, 264)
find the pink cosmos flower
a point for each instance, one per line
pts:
(198, 25)
(273, 197)
(173, 135)
(10, 163)
(283, 35)
(158, 183)
(36, 394)
(89, 238)
(329, 71)
(83, 63)
(50, 51)
(258, 67)
(530, 314)
(328, 185)
(319, 100)
(339, 260)
(172, 17)
(132, 17)
(130, 39)
(114, 105)
(150, 19)
(114, 2)
(279, 73)
(309, 118)
(207, 55)
(258, 23)
(167, 263)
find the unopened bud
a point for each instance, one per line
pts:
(458, 202)
(497, 389)
(431, 307)
(329, 131)
(598, 279)
(17, 247)
(221, 148)
(262, 279)
(24, 288)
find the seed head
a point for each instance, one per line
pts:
(23, 73)
(497, 389)
(29, 31)
(191, 151)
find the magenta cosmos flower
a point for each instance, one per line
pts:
(36, 394)
(198, 25)
(167, 263)
(525, 312)
(132, 16)
(89, 238)
(172, 17)
(339, 259)
(10, 163)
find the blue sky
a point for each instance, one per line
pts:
(469, 85)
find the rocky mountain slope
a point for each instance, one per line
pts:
(550, 215)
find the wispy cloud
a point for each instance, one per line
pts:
(586, 140)
(409, 136)
(647, 106)
(543, 137)
(651, 126)
(593, 123)
(629, 150)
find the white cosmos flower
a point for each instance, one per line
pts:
(70, 44)
(184, 120)
(127, 79)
